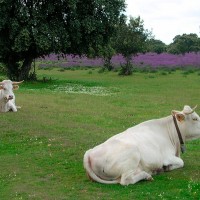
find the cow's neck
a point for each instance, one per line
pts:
(172, 133)
(180, 135)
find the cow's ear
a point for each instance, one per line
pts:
(15, 87)
(1, 87)
(180, 117)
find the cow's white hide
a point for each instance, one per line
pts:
(143, 150)
(7, 97)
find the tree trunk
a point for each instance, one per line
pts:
(12, 68)
(16, 72)
(128, 66)
(25, 69)
(108, 64)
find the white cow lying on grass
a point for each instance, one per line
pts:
(144, 150)
(7, 97)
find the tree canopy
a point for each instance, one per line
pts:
(130, 40)
(184, 44)
(156, 46)
(34, 28)
(131, 37)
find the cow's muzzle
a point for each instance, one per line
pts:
(9, 97)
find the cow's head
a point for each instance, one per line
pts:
(189, 121)
(7, 87)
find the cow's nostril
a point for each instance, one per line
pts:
(10, 96)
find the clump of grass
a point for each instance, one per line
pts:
(61, 69)
(163, 73)
(188, 71)
(151, 76)
(101, 70)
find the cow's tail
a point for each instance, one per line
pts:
(90, 172)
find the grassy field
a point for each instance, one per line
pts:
(42, 145)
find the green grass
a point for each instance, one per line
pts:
(42, 145)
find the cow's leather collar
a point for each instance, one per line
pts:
(179, 135)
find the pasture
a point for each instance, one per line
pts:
(42, 145)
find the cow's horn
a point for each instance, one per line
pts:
(187, 113)
(16, 83)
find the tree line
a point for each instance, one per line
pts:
(181, 44)
(34, 28)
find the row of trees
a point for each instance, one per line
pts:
(131, 38)
(34, 28)
(181, 44)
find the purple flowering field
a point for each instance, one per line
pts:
(142, 60)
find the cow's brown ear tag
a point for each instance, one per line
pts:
(15, 87)
(180, 117)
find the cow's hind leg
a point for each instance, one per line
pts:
(132, 177)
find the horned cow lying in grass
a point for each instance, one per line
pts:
(143, 150)
(7, 97)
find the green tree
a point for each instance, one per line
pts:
(107, 53)
(33, 28)
(130, 40)
(184, 44)
(107, 50)
(156, 46)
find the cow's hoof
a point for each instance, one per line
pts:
(167, 168)
(150, 178)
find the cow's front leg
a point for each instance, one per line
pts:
(12, 107)
(131, 177)
(173, 163)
